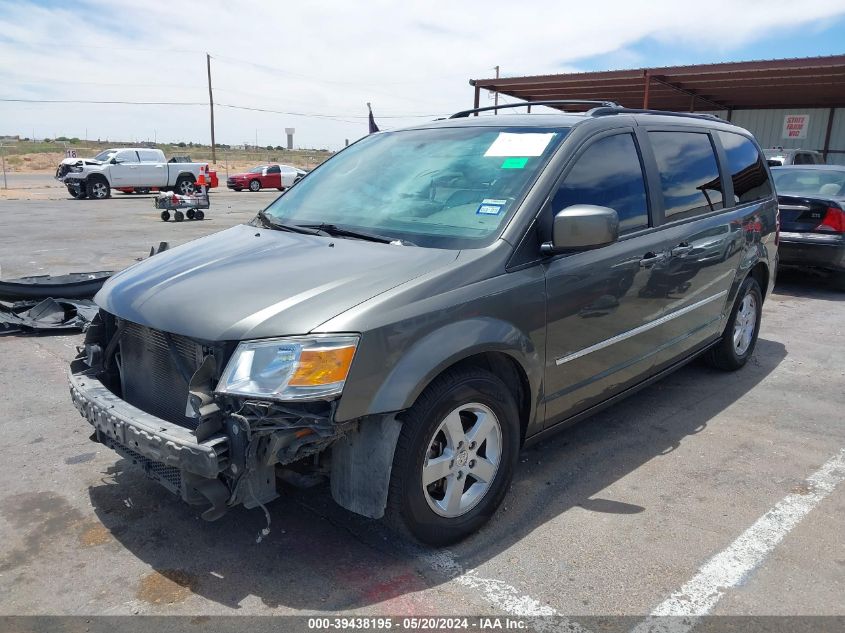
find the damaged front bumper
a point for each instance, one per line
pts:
(123, 426)
(233, 464)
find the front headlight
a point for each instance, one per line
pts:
(76, 169)
(290, 368)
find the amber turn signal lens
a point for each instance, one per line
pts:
(322, 366)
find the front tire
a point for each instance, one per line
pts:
(740, 335)
(98, 188)
(455, 457)
(254, 185)
(77, 192)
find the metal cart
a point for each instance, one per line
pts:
(193, 204)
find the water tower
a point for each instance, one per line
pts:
(289, 131)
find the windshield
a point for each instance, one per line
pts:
(105, 155)
(256, 170)
(824, 182)
(442, 187)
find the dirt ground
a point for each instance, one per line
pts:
(706, 486)
(38, 158)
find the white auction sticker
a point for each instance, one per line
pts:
(510, 144)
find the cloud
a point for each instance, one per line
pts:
(328, 58)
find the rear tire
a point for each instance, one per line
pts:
(740, 335)
(440, 431)
(98, 188)
(165, 215)
(199, 215)
(178, 216)
(837, 280)
(184, 185)
(254, 185)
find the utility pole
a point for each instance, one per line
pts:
(3, 158)
(496, 95)
(211, 108)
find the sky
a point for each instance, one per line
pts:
(313, 66)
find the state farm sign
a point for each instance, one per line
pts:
(795, 125)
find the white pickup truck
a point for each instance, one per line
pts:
(139, 168)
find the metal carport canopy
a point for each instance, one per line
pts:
(777, 83)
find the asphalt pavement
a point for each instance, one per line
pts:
(711, 492)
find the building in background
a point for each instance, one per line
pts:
(790, 103)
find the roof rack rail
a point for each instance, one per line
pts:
(619, 110)
(599, 105)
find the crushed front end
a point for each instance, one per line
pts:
(150, 396)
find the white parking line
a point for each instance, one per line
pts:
(501, 595)
(731, 566)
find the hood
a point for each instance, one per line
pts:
(80, 161)
(249, 282)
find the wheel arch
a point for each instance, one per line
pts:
(505, 367)
(493, 344)
(760, 273)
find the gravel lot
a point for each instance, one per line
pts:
(657, 498)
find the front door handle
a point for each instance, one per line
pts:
(681, 250)
(651, 258)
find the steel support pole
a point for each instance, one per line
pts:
(830, 113)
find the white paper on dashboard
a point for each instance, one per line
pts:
(509, 144)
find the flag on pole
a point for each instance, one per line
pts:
(373, 126)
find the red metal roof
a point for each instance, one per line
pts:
(776, 83)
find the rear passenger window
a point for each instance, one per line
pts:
(608, 174)
(689, 174)
(148, 156)
(749, 176)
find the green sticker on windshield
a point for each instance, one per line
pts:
(514, 163)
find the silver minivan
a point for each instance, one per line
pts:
(428, 301)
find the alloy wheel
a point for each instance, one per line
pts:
(99, 189)
(745, 324)
(462, 459)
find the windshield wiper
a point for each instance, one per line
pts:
(334, 229)
(270, 223)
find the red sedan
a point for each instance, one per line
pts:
(265, 177)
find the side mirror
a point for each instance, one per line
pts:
(116, 161)
(264, 172)
(582, 227)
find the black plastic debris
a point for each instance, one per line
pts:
(70, 286)
(48, 314)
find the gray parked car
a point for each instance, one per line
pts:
(427, 302)
(778, 157)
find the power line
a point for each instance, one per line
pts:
(109, 102)
(327, 116)
(337, 117)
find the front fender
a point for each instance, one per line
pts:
(435, 352)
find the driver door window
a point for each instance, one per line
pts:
(608, 174)
(124, 170)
